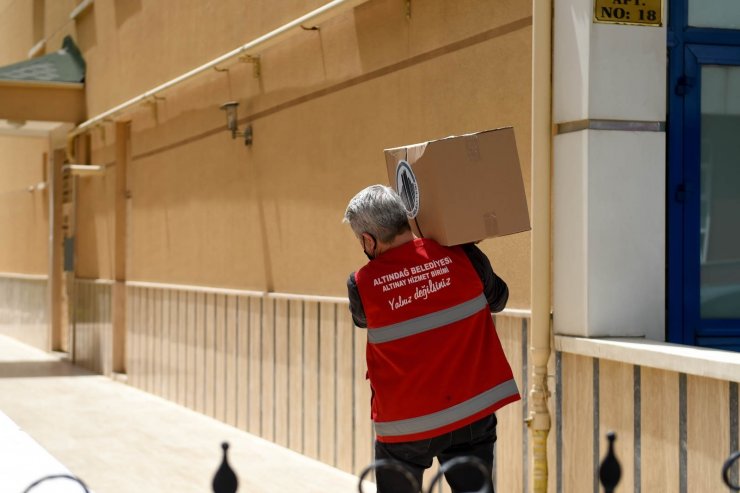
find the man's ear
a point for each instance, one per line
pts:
(368, 241)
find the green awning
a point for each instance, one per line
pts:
(64, 65)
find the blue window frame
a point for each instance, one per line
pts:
(691, 51)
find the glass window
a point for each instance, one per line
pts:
(722, 14)
(720, 192)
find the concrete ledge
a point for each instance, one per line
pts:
(712, 363)
(56, 102)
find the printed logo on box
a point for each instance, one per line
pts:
(407, 188)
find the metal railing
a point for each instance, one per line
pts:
(472, 463)
(610, 472)
(57, 476)
(610, 469)
(732, 459)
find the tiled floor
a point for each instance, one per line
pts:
(121, 440)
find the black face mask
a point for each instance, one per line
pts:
(369, 256)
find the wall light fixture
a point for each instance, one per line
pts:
(232, 122)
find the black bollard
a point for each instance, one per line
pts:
(610, 472)
(225, 480)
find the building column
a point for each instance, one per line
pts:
(58, 318)
(609, 111)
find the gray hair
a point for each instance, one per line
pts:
(377, 210)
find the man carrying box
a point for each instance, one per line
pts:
(435, 364)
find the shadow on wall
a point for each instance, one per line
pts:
(379, 43)
(40, 369)
(126, 10)
(38, 20)
(87, 36)
(90, 196)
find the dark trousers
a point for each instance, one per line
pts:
(475, 439)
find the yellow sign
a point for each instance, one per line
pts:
(638, 12)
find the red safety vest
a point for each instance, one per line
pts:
(434, 360)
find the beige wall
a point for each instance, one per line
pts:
(24, 230)
(24, 214)
(23, 23)
(95, 223)
(205, 210)
(289, 370)
(23, 314)
(16, 30)
(57, 23)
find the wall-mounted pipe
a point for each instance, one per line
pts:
(81, 7)
(539, 418)
(265, 41)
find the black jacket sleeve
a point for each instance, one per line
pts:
(495, 289)
(355, 303)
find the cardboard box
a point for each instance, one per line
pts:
(461, 189)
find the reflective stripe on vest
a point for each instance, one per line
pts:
(449, 415)
(427, 322)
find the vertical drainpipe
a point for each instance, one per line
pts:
(539, 417)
